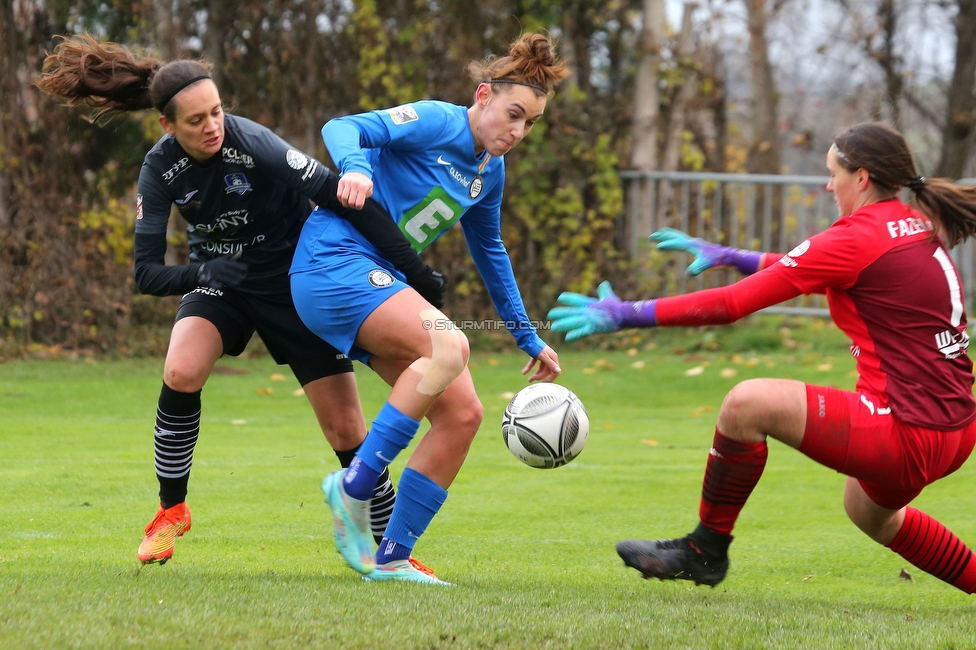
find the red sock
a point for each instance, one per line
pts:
(933, 548)
(733, 469)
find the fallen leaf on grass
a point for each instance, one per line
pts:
(265, 391)
(905, 575)
(824, 367)
(637, 365)
(694, 372)
(277, 377)
(728, 372)
(238, 423)
(298, 392)
(808, 577)
(701, 410)
(507, 395)
(652, 443)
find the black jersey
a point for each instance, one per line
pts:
(249, 199)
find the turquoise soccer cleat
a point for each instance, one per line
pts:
(351, 528)
(405, 571)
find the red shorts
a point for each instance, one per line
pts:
(892, 460)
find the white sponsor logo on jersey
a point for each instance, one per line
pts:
(440, 160)
(403, 114)
(235, 157)
(456, 175)
(186, 199)
(296, 159)
(178, 168)
(952, 344)
(790, 258)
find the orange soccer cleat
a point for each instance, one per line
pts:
(420, 566)
(161, 534)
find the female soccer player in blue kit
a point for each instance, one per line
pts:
(244, 193)
(429, 164)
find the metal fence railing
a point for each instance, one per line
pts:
(756, 211)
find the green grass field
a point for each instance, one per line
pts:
(531, 551)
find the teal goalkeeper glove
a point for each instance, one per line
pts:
(707, 255)
(584, 315)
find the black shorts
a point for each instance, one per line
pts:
(238, 315)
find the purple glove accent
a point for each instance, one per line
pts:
(631, 314)
(747, 262)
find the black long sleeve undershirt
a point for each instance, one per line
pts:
(153, 277)
(376, 225)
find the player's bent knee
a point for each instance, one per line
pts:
(449, 354)
(740, 406)
(183, 379)
(344, 429)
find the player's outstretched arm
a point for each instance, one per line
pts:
(581, 315)
(709, 255)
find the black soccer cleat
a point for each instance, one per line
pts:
(701, 557)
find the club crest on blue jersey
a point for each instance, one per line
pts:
(237, 184)
(474, 190)
(379, 279)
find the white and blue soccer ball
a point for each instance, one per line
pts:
(545, 425)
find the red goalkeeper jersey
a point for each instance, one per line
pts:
(891, 287)
(894, 290)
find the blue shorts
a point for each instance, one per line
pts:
(337, 281)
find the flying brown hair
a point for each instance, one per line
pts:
(110, 78)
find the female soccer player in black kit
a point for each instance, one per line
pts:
(244, 193)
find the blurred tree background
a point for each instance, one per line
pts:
(737, 85)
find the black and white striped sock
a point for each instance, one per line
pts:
(175, 434)
(381, 507)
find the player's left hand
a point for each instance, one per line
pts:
(353, 189)
(585, 315)
(548, 369)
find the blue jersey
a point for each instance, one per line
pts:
(421, 158)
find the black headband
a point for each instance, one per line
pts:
(168, 98)
(517, 83)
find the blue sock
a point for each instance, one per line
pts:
(391, 433)
(389, 551)
(418, 500)
(360, 476)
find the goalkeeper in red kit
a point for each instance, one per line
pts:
(894, 290)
